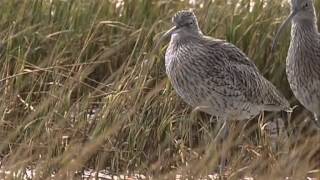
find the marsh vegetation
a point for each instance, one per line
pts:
(62, 60)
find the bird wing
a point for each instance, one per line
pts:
(244, 76)
(233, 53)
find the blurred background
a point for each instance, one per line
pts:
(80, 89)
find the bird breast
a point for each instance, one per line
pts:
(183, 69)
(303, 69)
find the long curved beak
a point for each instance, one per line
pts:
(280, 30)
(164, 37)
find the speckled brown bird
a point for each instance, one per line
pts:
(215, 76)
(303, 58)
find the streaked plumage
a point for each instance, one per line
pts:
(215, 76)
(303, 59)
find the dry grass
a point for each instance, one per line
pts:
(61, 59)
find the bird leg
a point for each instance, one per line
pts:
(222, 130)
(221, 136)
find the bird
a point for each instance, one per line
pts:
(215, 76)
(303, 57)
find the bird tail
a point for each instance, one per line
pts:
(274, 99)
(277, 107)
(316, 120)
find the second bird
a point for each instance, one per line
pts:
(215, 76)
(303, 59)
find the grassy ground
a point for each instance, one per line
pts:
(61, 59)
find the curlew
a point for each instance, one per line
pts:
(303, 58)
(215, 76)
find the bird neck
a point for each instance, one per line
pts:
(304, 29)
(185, 37)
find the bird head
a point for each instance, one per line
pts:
(185, 21)
(302, 11)
(185, 24)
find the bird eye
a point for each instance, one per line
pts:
(190, 23)
(305, 5)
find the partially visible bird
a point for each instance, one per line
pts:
(215, 76)
(303, 58)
